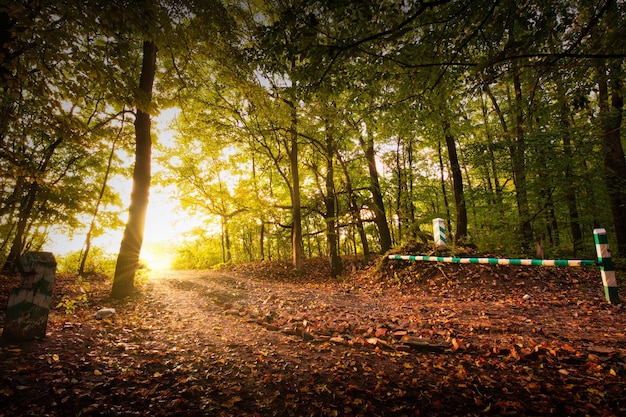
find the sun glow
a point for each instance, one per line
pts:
(156, 260)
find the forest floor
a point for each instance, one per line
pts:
(411, 338)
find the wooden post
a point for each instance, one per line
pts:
(29, 305)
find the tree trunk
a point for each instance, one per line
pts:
(570, 190)
(415, 229)
(26, 210)
(228, 252)
(611, 108)
(457, 185)
(262, 240)
(492, 160)
(518, 150)
(223, 239)
(330, 215)
(297, 248)
(377, 197)
(443, 189)
(355, 210)
(130, 248)
(399, 190)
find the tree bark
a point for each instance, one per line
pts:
(26, 210)
(377, 197)
(355, 210)
(331, 215)
(130, 248)
(518, 151)
(226, 249)
(570, 189)
(457, 185)
(492, 160)
(262, 240)
(399, 186)
(297, 248)
(414, 226)
(443, 188)
(611, 104)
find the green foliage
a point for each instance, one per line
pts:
(198, 251)
(71, 302)
(515, 82)
(98, 262)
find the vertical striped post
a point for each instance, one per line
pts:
(607, 269)
(439, 232)
(29, 305)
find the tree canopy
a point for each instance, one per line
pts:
(324, 128)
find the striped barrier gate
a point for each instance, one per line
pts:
(607, 269)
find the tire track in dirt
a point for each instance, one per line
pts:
(193, 305)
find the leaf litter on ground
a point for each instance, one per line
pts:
(263, 339)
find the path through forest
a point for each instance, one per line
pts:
(261, 340)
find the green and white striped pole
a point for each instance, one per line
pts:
(607, 269)
(498, 261)
(439, 232)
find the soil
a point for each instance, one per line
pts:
(390, 338)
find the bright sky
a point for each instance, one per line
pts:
(165, 221)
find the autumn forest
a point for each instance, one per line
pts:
(312, 128)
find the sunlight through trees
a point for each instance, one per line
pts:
(307, 129)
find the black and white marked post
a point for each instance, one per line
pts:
(29, 304)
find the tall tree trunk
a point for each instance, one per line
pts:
(262, 240)
(518, 151)
(227, 252)
(380, 216)
(457, 185)
(492, 159)
(355, 210)
(130, 248)
(297, 247)
(263, 222)
(443, 188)
(611, 102)
(570, 190)
(400, 187)
(26, 210)
(331, 211)
(415, 229)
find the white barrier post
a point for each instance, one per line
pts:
(607, 269)
(439, 232)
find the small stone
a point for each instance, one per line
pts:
(105, 312)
